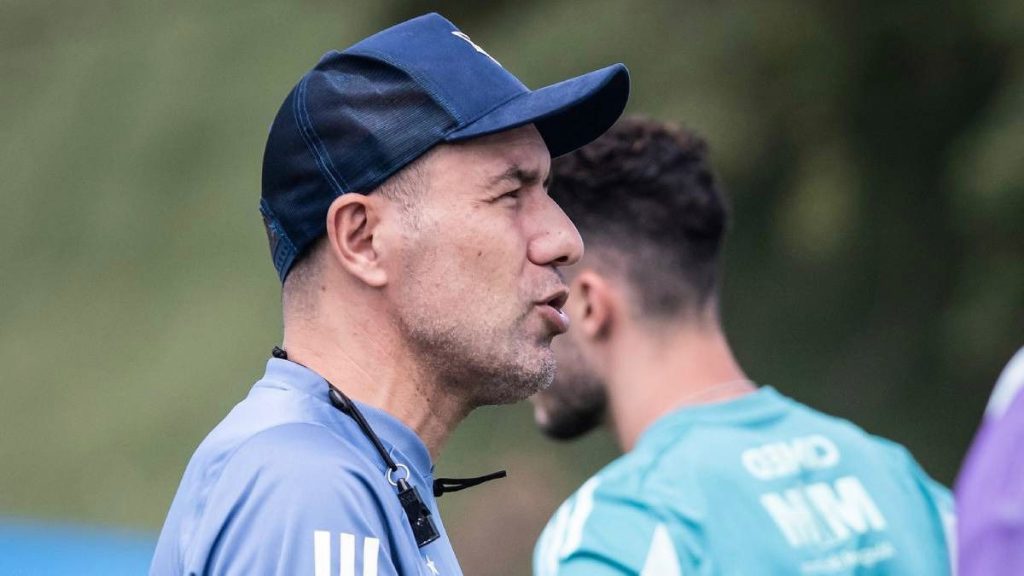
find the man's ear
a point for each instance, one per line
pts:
(592, 303)
(352, 221)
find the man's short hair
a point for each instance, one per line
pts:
(644, 198)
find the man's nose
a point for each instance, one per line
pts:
(554, 240)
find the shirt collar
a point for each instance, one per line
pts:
(763, 404)
(403, 444)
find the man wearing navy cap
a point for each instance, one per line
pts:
(405, 199)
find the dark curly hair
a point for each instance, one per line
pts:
(644, 197)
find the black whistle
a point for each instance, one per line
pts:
(422, 524)
(416, 511)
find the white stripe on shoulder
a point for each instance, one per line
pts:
(1009, 384)
(551, 540)
(564, 532)
(661, 556)
(322, 559)
(348, 554)
(321, 553)
(581, 510)
(371, 553)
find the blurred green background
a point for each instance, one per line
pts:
(874, 152)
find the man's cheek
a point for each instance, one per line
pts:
(489, 262)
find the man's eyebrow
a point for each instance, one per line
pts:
(516, 174)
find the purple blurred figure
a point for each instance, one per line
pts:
(990, 489)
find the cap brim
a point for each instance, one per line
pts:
(568, 115)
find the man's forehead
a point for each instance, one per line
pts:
(509, 154)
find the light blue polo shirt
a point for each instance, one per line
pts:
(288, 485)
(757, 485)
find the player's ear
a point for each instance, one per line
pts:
(592, 304)
(353, 222)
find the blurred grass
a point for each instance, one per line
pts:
(875, 269)
(140, 306)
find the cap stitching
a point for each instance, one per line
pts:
(328, 161)
(297, 105)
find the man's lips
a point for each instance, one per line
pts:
(551, 310)
(558, 298)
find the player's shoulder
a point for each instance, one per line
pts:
(282, 490)
(661, 471)
(300, 450)
(299, 470)
(884, 456)
(620, 484)
(641, 481)
(614, 519)
(672, 465)
(851, 436)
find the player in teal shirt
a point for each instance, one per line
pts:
(718, 476)
(759, 484)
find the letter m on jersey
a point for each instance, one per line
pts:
(822, 513)
(323, 558)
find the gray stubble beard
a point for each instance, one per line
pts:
(482, 370)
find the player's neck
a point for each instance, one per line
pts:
(360, 356)
(657, 372)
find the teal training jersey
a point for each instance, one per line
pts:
(757, 485)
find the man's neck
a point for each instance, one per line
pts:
(362, 359)
(656, 372)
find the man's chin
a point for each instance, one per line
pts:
(517, 383)
(567, 429)
(561, 423)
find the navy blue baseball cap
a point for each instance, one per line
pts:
(364, 113)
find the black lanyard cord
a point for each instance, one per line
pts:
(444, 485)
(345, 405)
(417, 512)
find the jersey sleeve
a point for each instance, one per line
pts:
(601, 533)
(938, 498)
(291, 501)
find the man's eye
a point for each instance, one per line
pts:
(514, 194)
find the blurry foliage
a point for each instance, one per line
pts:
(874, 152)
